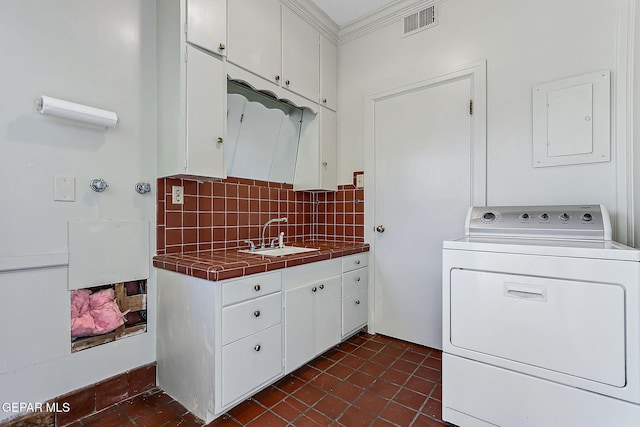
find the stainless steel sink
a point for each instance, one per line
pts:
(287, 250)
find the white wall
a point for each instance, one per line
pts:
(524, 43)
(100, 53)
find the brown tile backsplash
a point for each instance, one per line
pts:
(222, 214)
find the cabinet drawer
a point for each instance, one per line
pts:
(249, 317)
(251, 362)
(250, 287)
(354, 281)
(354, 312)
(355, 261)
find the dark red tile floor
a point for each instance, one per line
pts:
(369, 380)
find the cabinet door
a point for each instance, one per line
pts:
(328, 149)
(207, 24)
(300, 56)
(206, 95)
(251, 362)
(298, 327)
(254, 37)
(354, 311)
(328, 71)
(327, 310)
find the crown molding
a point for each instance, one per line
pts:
(381, 18)
(315, 17)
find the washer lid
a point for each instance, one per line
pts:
(574, 222)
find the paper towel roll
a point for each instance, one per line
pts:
(79, 112)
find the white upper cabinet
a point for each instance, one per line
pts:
(300, 55)
(316, 162)
(254, 37)
(328, 73)
(192, 89)
(206, 88)
(207, 24)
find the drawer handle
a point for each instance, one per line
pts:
(321, 286)
(358, 279)
(257, 347)
(256, 288)
(314, 289)
(357, 302)
(357, 262)
(256, 313)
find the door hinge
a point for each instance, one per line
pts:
(186, 56)
(471, 107)
(186, 28)
(241, 117)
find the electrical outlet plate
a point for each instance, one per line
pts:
(360, 181)
(177, 195)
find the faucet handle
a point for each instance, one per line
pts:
(252, 246)
(273, 241)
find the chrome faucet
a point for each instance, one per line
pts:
(264, 228)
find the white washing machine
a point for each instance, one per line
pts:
(541, 322)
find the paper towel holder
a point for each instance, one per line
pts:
(79, 112)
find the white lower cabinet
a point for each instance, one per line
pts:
(251, 362)
(313, 321)
(221, 342)
(355, 293)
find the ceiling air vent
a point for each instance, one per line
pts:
(419, 21)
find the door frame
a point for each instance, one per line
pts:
(477, 73)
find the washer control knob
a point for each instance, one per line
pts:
(565, 216)
(587, 217)
(524, 217)
(488, 217)
(544, 217)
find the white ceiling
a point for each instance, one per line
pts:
(346, 11)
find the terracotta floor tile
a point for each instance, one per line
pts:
(268, 419)
(371, 402)
(269, 397)
(346, 391)
(420, 385)
(331, 406)
(433, 408)
(309, 394)
(385, 379)
(424, 421)
(395, 376)
(246, 411)
(340, 371)
(410, 398)
(384, 388)
(398, 414)
(361, 379)
(325, 382)
(356, 417)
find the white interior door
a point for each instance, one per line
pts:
(423, 169)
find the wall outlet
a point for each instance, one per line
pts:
(177, 195)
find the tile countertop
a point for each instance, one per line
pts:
(224, 264)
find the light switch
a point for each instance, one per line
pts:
(64, 188)
(359, 180)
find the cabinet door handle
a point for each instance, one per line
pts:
(314, 289)
(321, 286)
(257, 347)
(324, 163)
(287, 82)
(357, 262)
(358, 279)
(256, 288)
(220, 139)
(357, 302)
(222, 46)
(277, 78)
(256, 313)
(324, 101)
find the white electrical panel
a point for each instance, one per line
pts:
(571, 120)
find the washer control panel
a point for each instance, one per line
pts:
(580, 222)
